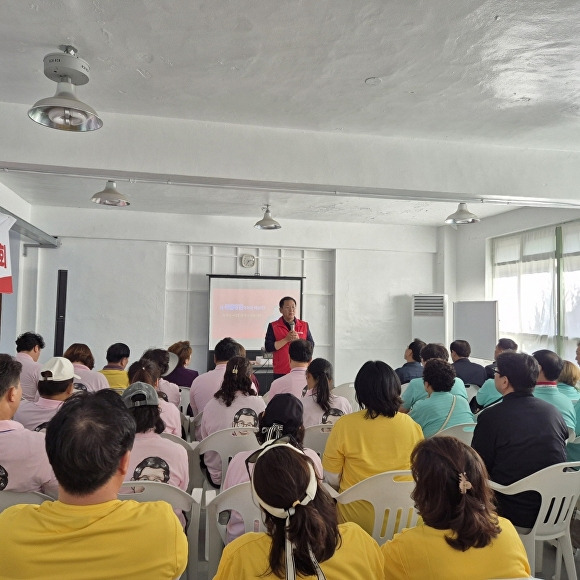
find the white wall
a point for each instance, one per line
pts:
(116, 263)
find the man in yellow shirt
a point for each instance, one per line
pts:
(88, 533)
(117, 359)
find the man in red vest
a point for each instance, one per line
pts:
(282, 332)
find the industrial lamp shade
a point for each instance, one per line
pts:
(267, 222)
(64, 111)
(462, 216)
(110, 196)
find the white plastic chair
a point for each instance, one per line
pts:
(10, 498)
(391, 500)
(238, 498)
(404, 387)
(189, 504)
(463, 432)
(559, 489)
(347, 390)
(192, 457)
(184, 395)
(315, 437)
(195, 426)
(227, 443)
(471, 390)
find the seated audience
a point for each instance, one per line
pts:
(92, 534)
(54, 387)
(181, 375)
(300, 352)
(117, 359)
(23, 461)
(378, 438)
(469, 372)
(153, 458)
(234, 405)
(412, 369)
(460, 536)
(206, 385)
(415, 390)
(568, 381)
(282, 418)
(502, 345)
(519, 435)
(320, 404)
(303, 537)
(551, 365)
(28, 347)
(83, 362)
(167, 362)
(146, 371)
(440, 409)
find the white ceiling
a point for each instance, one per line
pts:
(489, 72)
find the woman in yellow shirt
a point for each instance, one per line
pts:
(304, 539)
(461, 537)
(371, 441)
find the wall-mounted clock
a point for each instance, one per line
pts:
(248, 261)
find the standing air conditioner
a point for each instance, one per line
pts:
(429, 318)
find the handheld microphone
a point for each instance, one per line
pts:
(292, 325)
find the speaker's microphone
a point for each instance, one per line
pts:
(292, 325)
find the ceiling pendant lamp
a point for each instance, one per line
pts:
(110, 196)
(64, 111)
(267, 222)
(462, 216)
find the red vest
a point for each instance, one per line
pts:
(281, 359)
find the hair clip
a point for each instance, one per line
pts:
(464, 483)
(235, 370)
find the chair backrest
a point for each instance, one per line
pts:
(559, 487)
(196, 426)
(347, 390)
(315, 437)
(184, 402)
(10, 498)
(192, 457)
(471, 390)
(391, 500)
(463, 432)
(189, 504)
(228, 442)
(219, 507)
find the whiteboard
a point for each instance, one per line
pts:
(476, 322)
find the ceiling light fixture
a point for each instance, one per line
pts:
(462, 216)
(267, 222)
(64, 111)
(110, 196)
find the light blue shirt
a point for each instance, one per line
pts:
(569, 391)
(416, 392)
(552, 395)
(431, 412)
(488, 394)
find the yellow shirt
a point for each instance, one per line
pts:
(115, 539)
(358, 448)
(118, 378)
(422, 552)
(358, 557)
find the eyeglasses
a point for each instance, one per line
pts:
(496, 371)
(251, 460)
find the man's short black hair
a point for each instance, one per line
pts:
(507, 344)
(461, 348)
(27, 341)
(116, 352)
(49, 388)
(300, 351)
(415, 348)
(86, 440)
(439, 374)
(9, 373)
(226, 349)
(281, 303)
(520, 369)
(378, 389)
(550, 362)
(434, 350)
